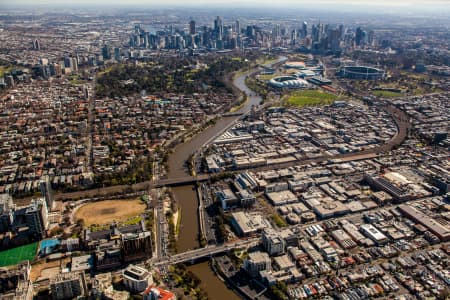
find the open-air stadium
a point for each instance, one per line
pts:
(361, 72)
(291, 82)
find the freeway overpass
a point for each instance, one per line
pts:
(208, 251)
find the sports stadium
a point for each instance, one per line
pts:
(290, 82)
(361, 72)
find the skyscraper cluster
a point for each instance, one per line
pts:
(319, 38)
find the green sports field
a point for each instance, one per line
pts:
(386, 94)
(16, 255)
(310, 97)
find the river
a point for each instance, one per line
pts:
(187, 197)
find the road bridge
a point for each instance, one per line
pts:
(208, 251)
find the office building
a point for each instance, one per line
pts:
(46, 191)
(68, 286)
(7, 209)
(137, 279)
(136, 246)
(257, 262)
(15, 282)
(272, 242)
(192, 27)
(36, 216)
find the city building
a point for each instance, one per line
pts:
(228, 199)
(7, 209)
(374, 234)
(440, 229)
(102, 288)
(68, 286)
(136, 246)
(157, 293)
(15, 282)
(257, 262)
(37, 218)
(272, 242)
(136, 279)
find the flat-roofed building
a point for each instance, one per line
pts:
(272, 242)
(227, 198)
(257, 262)
(438, 229)
(137, 279)
(247, 224)
(68, 286)
(374, 234)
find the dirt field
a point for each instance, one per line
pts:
(104, 212)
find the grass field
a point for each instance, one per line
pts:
(310, 97)
(267, 77)
(104, 212)
(16, 255)
(386, 94)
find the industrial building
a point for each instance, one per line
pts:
(439, 229)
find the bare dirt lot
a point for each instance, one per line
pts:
(104, 212)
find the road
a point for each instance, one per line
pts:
(203, 252)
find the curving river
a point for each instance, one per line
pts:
(186, 195)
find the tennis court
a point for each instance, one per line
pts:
(16, 255)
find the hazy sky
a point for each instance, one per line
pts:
(442, 6)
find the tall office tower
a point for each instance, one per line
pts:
(218, 27)
(358, 36)
(250, 32)
(9, 80)
(192, 27)
(117, 54)
(68, 63)
(7, 209)
(294, 37)
(371, 38)
(74, 64)
(304, 29)
(145, 39)
(106, 52)
(36, 216)
(36, 45)
(277, 31)
(342, 31)
(86, 92)
(314, 33)
(335, 40)
(238, 27)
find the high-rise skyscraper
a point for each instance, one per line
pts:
(238, 27)
(358, 36)
(192, 27)
(218, 27)
(36, 45)
(46, 191)
(304, 29)
(36, 216)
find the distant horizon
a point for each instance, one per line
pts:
(380, 6)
